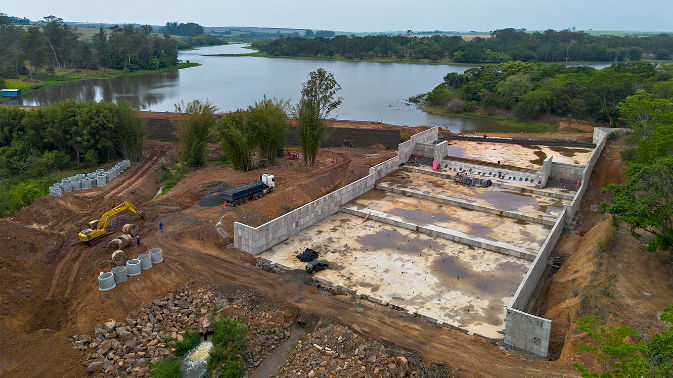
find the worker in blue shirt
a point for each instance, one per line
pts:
(161, 227)
(138, 240)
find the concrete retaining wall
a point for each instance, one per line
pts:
(546, 171)
(567, 171)
(488, 171)
(255, 240)
(425, 150)
(523, 330)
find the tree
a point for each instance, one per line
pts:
(35, 45)
(644, 201)
(318, 100)
(194, 130)
(643, 112)
(102, 49)
(235, 140)
(626, 355)
(266, 122)
(635, 53)
(309, 33)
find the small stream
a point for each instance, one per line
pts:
(277, 358)
(194, 364)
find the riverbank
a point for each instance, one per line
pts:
(533, 127)
(70, 76)
(443, 62)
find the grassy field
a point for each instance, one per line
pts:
(46, 81)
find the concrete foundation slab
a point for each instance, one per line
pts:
(462, 286)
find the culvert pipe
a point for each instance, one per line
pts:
(101, 180)
(119, 273)
(133, 267)
(55, 191)
(130, 228)
(119, 258)
(76, 185)
(108, 175)
(155, 254)
(106, 282)
(67, 187)
(86, 184)
(145, 261)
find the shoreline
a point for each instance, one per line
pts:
(535, 127)
(31, 86)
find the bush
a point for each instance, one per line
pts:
(189, 341)
(349, 143)
(456, 105)
(168, 368)
(439, 96)
(405, 137)
(228, 341)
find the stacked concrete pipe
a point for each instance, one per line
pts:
(106, 282)
(89, 180)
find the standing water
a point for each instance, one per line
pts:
(194, 364)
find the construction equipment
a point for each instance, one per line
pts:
(241, 194)
(97, 227)
(289, 155)
(316, 266)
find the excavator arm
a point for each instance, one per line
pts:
(102, 222)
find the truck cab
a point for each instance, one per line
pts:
(268, 180)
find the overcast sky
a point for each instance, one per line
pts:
(365, 15)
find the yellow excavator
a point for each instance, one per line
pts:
(97, 227)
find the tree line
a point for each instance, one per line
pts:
(52, 46)
(189, 29)
(503, 45)
(530, 90)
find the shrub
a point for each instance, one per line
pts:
(456, 105)
(228, 341)
(189, 341)
(349, 143)
(168, 368)
(405, 137)
(440, 95)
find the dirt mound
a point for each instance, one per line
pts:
(215, 194)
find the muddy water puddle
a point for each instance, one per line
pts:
(506, 200)
(568, 151)
(493, 286)
(422, 217)
(388, 238)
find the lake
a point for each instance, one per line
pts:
(371, 91)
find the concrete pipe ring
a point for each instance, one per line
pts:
(106, 282)
(145, 261)
(155, 254)
(119, 273)
(133, 267)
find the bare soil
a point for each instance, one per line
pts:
(49, 289)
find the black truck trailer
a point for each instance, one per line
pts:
(250, 191)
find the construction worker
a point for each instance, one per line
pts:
(161, 227)
(224, 207)
(138, 240)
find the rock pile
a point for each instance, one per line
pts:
(120, 349)
(336, 351)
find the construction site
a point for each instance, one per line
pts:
(440, 258)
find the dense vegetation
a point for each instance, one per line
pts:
(184, 43)
(530, 89)
(643, 201)
(224, 358)
(52, 46)
(620, 357)
(504, 45)
(70, 134)
(189, 29)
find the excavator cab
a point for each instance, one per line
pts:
(93, 224)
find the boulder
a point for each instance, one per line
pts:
(94, 367)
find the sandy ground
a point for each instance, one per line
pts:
(501, 199)
(453, 283)
(522, 234)
(524, 156)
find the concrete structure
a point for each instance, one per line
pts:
(106, 282)
(408, 232)
(89, 180)
(145, 261)
(133, 267)
(119, 273)
(156, 255)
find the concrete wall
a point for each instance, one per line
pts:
(523, 330)
(425, 150)
(527, 332)
(255, 240)
(489, 171)
(441, 150)
(567, 171)
(546, 171)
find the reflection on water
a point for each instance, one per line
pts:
(371, 91)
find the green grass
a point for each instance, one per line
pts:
(190, 340)
(168, 368)
(533, 127)
(46, 81)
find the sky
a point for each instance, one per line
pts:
(365, 15)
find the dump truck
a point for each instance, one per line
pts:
(97, 227)
(250, 191)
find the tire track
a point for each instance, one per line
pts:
(59, 268)
(142, 170)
